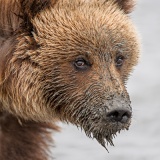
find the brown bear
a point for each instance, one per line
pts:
(64, 60)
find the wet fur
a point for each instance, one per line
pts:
(39, 86)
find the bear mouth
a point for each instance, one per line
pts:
(104, 132)
(100, 120)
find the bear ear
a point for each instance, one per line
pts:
(126, 5)
(30, 8)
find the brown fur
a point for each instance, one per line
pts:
(126, 5)
(24, 140)
(39, 84)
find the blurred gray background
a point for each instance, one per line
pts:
(142, 141)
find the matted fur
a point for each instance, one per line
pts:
(40, 40)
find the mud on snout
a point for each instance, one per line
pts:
(103, 120)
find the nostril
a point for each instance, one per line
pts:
(119, 116)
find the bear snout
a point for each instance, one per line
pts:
(118, 109)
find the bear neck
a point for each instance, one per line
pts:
(24, 140)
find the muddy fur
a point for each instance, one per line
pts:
(40, 44)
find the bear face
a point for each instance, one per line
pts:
(72, 65)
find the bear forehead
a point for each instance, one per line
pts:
(85, 24)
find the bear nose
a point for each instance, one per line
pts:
(119, 115)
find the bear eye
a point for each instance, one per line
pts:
(81, 64)
(119, 61)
